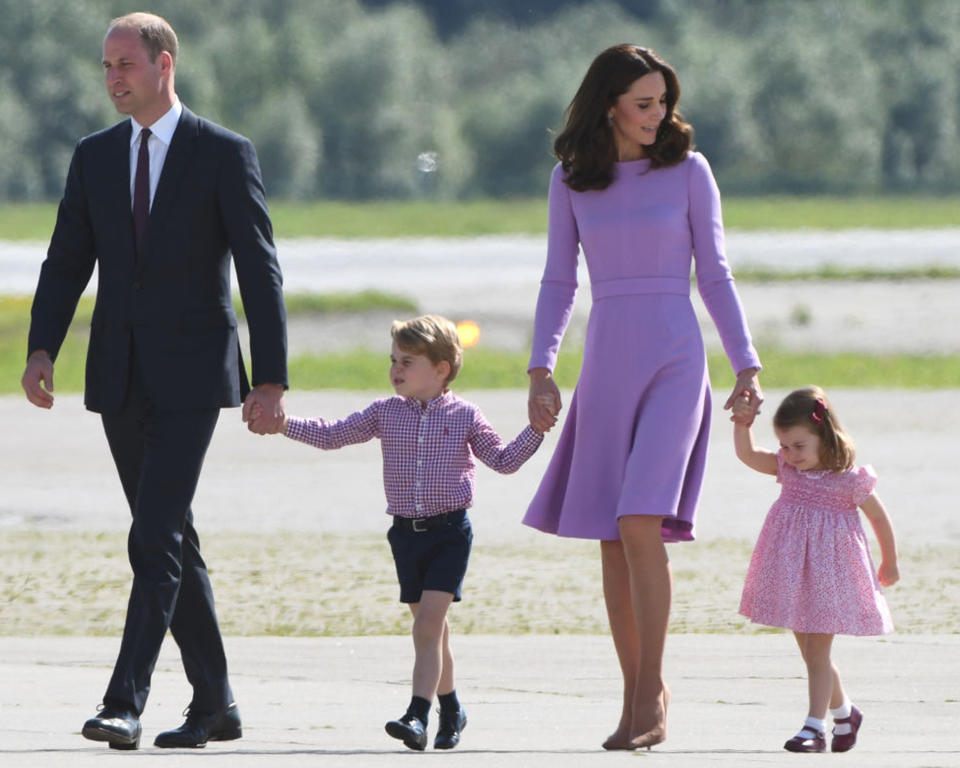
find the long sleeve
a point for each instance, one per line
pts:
(559, 283)
(250, 234)
(356, 428)
(714, 279)
(489, 448)
(67, 268)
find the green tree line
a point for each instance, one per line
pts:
(451, 99)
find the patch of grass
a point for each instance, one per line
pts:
(835, 213)
(420, 218)
(310, 584)
(785, 369)
(301, 304)
(501, 369)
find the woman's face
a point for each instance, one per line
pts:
(637, 114)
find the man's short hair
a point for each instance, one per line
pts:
(157, 34)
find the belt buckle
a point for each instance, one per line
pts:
(419, 524)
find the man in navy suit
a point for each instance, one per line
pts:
(159, 203)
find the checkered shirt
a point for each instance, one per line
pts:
(428, 466)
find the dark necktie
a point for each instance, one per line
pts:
(141, 190)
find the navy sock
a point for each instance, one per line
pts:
(449, 702)
(419, 708)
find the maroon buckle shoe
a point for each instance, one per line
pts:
(842, 742)
(816, 743)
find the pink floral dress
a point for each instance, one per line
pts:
(811, 569)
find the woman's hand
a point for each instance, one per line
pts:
(747, 389)
(543, 404)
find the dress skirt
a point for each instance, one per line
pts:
(635, 437)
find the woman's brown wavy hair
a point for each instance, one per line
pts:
(586, 146)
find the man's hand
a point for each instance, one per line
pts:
(39, 369)
(269, 416)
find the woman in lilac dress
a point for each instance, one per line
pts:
(629, 462)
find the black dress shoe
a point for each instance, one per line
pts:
(448, 734)
(202, 727)
(116, 725)
(410, 731)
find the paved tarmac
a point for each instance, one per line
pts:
(532, 700)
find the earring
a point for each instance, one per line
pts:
(609, 118)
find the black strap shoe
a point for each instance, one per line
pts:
(410, 730)
(451, 723)
(201, 727)
(118, 726)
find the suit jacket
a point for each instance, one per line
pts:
(171, 305)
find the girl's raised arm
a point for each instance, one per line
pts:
(888, 573)
(759, 459)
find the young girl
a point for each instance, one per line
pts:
(811, 570)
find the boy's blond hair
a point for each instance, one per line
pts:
(433, 336)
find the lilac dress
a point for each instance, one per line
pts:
(635, 436)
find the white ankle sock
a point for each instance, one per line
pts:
(841, 712)
(812, 727)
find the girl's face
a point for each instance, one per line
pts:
(637, 114)
(800, 447)
(414, 375)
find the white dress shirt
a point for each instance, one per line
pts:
(161, 134)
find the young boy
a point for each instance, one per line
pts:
(428, 437)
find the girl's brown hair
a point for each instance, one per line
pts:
(810, 408)
(586, 146)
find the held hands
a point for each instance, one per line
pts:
(742, 411)
(543, 403)
(39, 369)
(263, 410)
(746, 398)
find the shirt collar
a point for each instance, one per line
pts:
(432, 403)
(163, 128)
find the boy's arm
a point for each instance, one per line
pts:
(487, 446)
(358, 427)
(888, 573)
(759, 459)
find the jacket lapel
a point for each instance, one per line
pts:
(179, 158)
(117, 178)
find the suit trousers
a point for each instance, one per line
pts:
(158, 455)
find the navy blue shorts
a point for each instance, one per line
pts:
(431, 553)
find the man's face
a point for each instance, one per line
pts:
(136, 85)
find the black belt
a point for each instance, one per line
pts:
(423, 524)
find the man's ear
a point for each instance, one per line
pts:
(166, 61)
